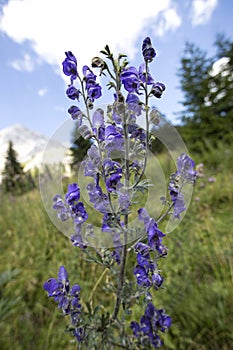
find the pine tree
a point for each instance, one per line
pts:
(14, 179)
(208, 95)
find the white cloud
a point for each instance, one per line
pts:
(42, 92)
(201, 11)
(26, 63)
(169, 21)
(84, 27)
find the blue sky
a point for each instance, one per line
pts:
(34, 34)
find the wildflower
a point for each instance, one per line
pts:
(185, 168)
(70, 66)
(130, 79)
(72, 92)
(151, 323)
(157, 89)
(145, 76)
(76, 114)
(73, 194)
(147, 50)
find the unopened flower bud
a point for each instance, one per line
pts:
(155, 116)
(98, 62)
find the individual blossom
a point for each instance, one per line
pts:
(113, 139)
(63, 211)
(94, 90)
(92, 163)
(157, 89)
(98, 126)
(130, 79)
(77, 239)
(73, 194)
(134, 104)
(144, 74)
(147, 50)
(72, 92)
(185, 168)
(76, 114)
(70, 66)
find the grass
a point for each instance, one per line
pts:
(198, 270)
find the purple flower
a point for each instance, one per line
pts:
(73, 194)
(98, 124)
(113, 182)
(70, 66)
(124, 200)
(63, 212)
(185, 166)
(142, 75)
(76, 114)
(91, 164)
(80, 214)
(157, 280)
(72, 92)
(151, 323)
(141, 274)
(134, 104)
(157, 89)
(136, 328)
(94, 92)
(147, 50)
(142, 248)
(130, 79)
(113, 139)
(93, 89)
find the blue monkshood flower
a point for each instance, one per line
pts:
(135, 328)
(137, 133)
(113, 139)
(142, 74)
(92, 163)
(72, 92)
(79, 213)
(70, 66)
(94, 90)
(157, 89)
(141, 274)
(63, 211)
(73, 193)
(154, 234)
(117, 252)
(89, 76)
(134, 104)
(76, 114)
(143, 215)
(151, 323)
(130, 79)
(185, 166)
(77, 240)
(124, 200)
(113, 182)
(85, 132)
(98, 126)
(142, 248)
(79, 334)
(98, 198)
(147, 50)
(157, 280)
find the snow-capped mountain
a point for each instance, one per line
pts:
(30, 147)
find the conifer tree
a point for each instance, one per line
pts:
(207, 116)
(14, 179)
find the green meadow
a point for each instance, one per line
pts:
(198, 271)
